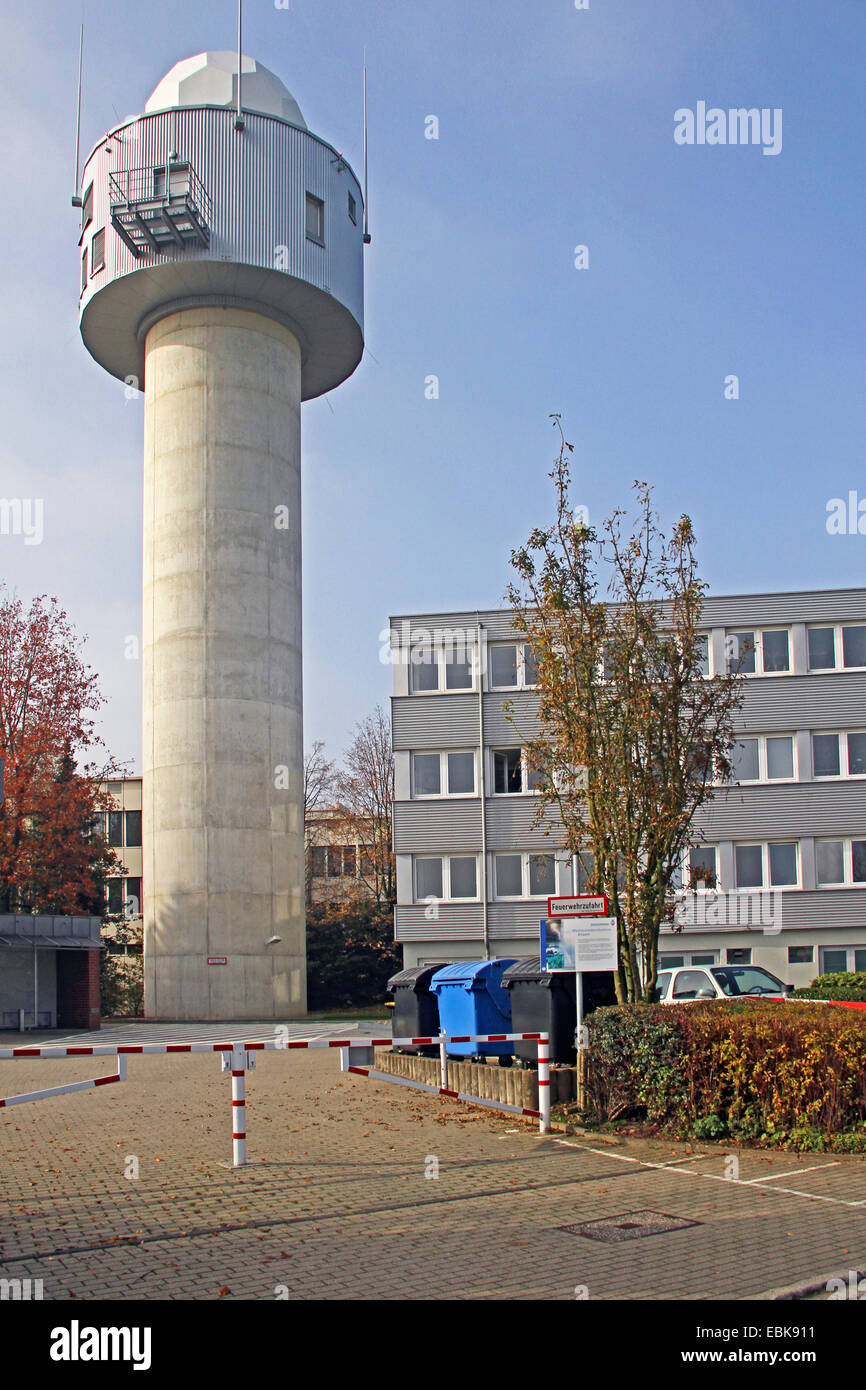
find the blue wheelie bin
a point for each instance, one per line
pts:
(473, 1000)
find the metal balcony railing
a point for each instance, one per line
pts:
(159, 206)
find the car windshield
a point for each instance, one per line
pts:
(661, 989)
(746, 979)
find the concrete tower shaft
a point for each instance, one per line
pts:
(223, 739)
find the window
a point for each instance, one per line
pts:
(446, 877)
(115, 828)
(693, 984)
(763, 758)
(133, 828)
(132, 897)
(87, 209)
(738, 955)
(840, 862)
(703, 646)
(801, 955)
(835, 958)
(97, 824)
(822, 648)
(774, 865)
(839, 755)
(97, 252)
(542, 875)
(434, 669)
(353, 210)
(825, 755)
(115, 896)
(527, 875)
(426, 774)
(759, 653)
(671, 961)
(854, 646)
(84, 270)
(507, 771)
(461, 774)
(318, 864)
(159, 183)
(511, 667)
(315, 219)
(838, 646)
(702, 872)
(443, 774)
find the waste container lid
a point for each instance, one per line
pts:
(475, 974)
(528, 971)
(417, 978)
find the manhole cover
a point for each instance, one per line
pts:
(629, 1225)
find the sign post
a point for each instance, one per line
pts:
(578, 935)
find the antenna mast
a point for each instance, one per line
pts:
(367, 237)
(239, 119)
(76, 199)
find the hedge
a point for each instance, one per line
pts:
(840, 984)
(351, 954)
(776, 1075)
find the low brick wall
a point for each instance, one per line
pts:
(513, 1085)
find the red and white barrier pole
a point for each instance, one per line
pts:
(443, 1064)
(239, 1107)
(544, 1084)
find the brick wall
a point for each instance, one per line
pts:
(78, 989)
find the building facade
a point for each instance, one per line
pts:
(779, 857)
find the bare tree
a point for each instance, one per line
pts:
(319, 791)
(366, 795)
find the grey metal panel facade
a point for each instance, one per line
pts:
(790, 809)
(435, 721)
(427, 827)
(832, 700)
(510, 825)
(819, 911)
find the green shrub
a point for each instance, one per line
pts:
(773, 1074)
(831, 992)
(351, 954)
(845, 979)
(121, 985)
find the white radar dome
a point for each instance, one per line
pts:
(210, 79)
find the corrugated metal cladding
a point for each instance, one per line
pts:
(423, 827)
(815, 701)
(723, 610)
(791, 809)
(511, 825)
(434, 721)
(256, 180)
(821, 911)
(512, 921)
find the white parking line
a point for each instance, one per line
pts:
(814, 1168)
(719, 1177)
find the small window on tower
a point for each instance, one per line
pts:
(159, 183)
(84, 270)
(315, 219)
(353, 210)
(87, 209)
(97, 252)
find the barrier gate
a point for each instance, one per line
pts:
(357, 1056)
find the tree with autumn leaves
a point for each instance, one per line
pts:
(633, 737)
(53, 857)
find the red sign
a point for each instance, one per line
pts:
(584, 905)
(217, 960)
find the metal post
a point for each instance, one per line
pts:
(239, 1107)
(578, 1017)
(544, 1084)
(443, 1063)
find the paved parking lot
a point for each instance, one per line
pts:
(342, 1197)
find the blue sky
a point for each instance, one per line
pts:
(555, 130)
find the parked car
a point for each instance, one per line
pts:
(690, 982)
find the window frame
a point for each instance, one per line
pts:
(445, 860)
(758, 635)
(763, 776)
(443, 755)
(525, 856)
(766, 885)
(525, 789)
(313, 200)
(440, 654)
(838, 648)
(520, 666)
(847, 880)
